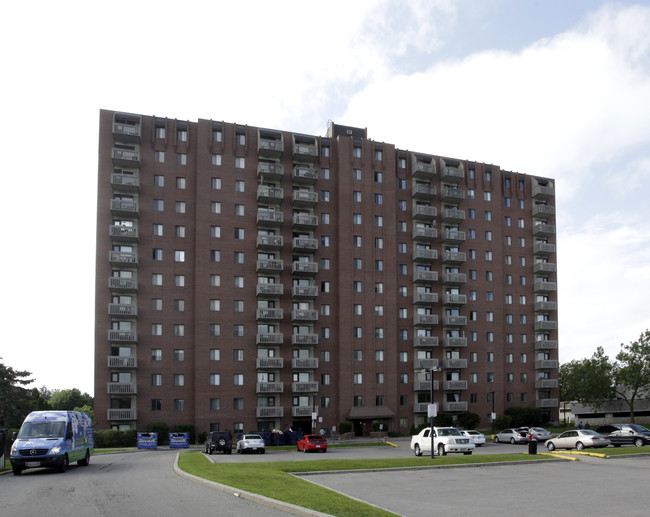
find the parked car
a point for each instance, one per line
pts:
(446, 439)
(218, 441)
(251, 443)
(312, 442)
(475, 436)
(624, 434)
(540, 434)
(512, 435)
(577, 439)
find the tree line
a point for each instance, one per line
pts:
(599, 379)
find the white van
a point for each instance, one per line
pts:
(52, 439)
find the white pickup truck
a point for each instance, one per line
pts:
(445, 439)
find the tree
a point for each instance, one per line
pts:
(632, 371)
(67, 400)
(15, 400)
(587, 381)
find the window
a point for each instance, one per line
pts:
(238, 257)
(215, 305)
(238, 379)
(325, 241)
(215, 379)
(379, 400)
(379, 155)
(325, 218)
(357, 332)
(181, 159)
(324, 286)
(325, 379)
(156, 329)
(325, 332)
(179, 231)
(156, 405)
(239, 210)
(356, 152)
(487, 196)
(156, 354)
(238, 305)
(215, 207)
(402, 269)
(215, 280)
(401, 205)
(403, 357)
(401, 248)
(357, 286)
(356, 196)
(379, 199)
(179, 379)
(325, 309)
(488, 215)
(524, 377)
(159, 156)
(215, 183)
(490, 377)
(379, 243)
(325, 402)
(325, 263)
(180, 207)
(356, 219)
(158, 205)
(158, 230)
(356, 241)
(179, 256)
(325, 195)
(325, 356)
(325, 151)
(356, 264)
(156, 379)
(216, 159)
(357, 355)
(379, 265)
(488, 256)
(215, 329)
(379, 355)
(238, 330)
(215, 404)
(179, 330)
(488, 235)
(156, 279)
(179, 355)
(358, 378)
(215, 354)
(239, 186)
(379, 221)
(238, 354)
(240, 163)
(215, 232)
(356, 174)
(215, 256)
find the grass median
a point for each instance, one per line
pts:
(273, 479)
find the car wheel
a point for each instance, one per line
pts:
(616, 444)
(17, 470)
(304, 449)
(496, 439)
(64, 464)
(512, 441)
(638, 442)
(417, 450)
(441, 450)
(550, 446)
(467, 453)
(580, 446)
(263, 451)
(323, 450)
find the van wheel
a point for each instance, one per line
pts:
(85, 461)
(64, 464)
(17, 470)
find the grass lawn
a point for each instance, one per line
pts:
(272, 479)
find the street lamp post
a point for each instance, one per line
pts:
(432, 411)
(493, 414)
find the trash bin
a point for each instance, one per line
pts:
(532, 447)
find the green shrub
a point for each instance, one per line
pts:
(345, 427)
(525, 416)
(468, 420)
(444, 420)
(109, 438)
(186, 428)
(162, 429)
(503, 421)
(375, 426)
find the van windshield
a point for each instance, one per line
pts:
(42, 430)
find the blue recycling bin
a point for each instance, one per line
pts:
(147, 440)
(179, 440)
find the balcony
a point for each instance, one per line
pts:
(302, 411)
(126, 158)
(453, 258)
(118, 361)
(543, 230)
(304, 291)
(270, 171)
(451, 173)
(454, 342)
(546, 403)
(120, 233)
(543, 249)
(269, 218)
(270, 412)
(304, 339)
(425, 298)
(454, 385)
(422, 167)
(305, 244)
(545, 344)
(451, 216)
(304, 175)
(270, 145)
(545, 287)
(121, 388)
(304, 222)
(425, 320)
(425, 277)
(542, 384)
(424, 255)
(421, 407)
(304, 315)
(122, 284)
(454, 364)
(546, 364)
(424, 364)
(299, 268)
(269, 314)
(304, 198)
(304, 363)
(544, 267)
(270, 363)
(269, 290)
(454, 278)
(124, 208)
(304, 387)
(454, 321)
(545, 306)
(425, 385)
(123, 310)
(424, 234)
(542, 192)
(122, 414)
(425, 341)
(272, 195)
(452, 195)
(454, 406)
(305, 149)
(270, 266)
(545, 325)
(127, 129)
(122, 336)
(269, 338)
(269, 387)
(269, 242)
(125, 182)
(424, 212)
(454, 299)
(453, 237)
(423, 191)
(543, 211)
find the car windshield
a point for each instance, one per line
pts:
(42, 430)
(539, 429)
(252, 437)
(449, 432)
(639, 428)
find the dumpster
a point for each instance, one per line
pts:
(147, 440)
(179, 440)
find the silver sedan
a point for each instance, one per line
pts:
(577, 439)
(251, 443)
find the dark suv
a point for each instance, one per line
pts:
(218, 441)
(622, 434)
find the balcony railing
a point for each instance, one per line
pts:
(304, 363)
(545, 344)
(454, 342)
(306, 198)
(270, 171)
(303, 411)
(304, 175)
(425, 298)
(304, 339)
(115, 361)
(123, 233)
(454, 299)
(425, 320)
(269, 314)
(454, 364)
(270, 387)
(422, 169)
(304, 268)
(424, 255)
(122, 309)
(305, 244)
(304, 222)
(421, 407)
(545, 325)
(541, 384)
(304, 150)
(270, 362)
(125, 182)
(452, 195)
(268, 194)
(424, 212)
(452, 216)
(425, 277)
(451, 175)
(424, 234)
(454, 406)
(543, 230)
(269, 290)
(270, 338)
(454, 257)
(454, 385)
(545, 364)
(543, 211)
(454, 278)
(126, 158)
(542, 192)
(545, 287)
(270, 412)
(122, 336)
(122, 388)
(270, 266)
(122, 284)
(543, 248)
(304, 387)
(424, 364)
(270, 242)
(269, 218)
(546, 403)
(126, 132)
(425, 385)
(123, 257)
(124, 208)
(422, 191)
(453, 237)
(425, 341)
(304, 315)
(545, 306)
(304, 291)
(544, 267)
(454, 321)
(122, 414)
(270, 148)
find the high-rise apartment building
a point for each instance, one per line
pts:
(252, 278)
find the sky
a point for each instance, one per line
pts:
(552, 88)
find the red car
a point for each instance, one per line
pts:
(312, 442)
